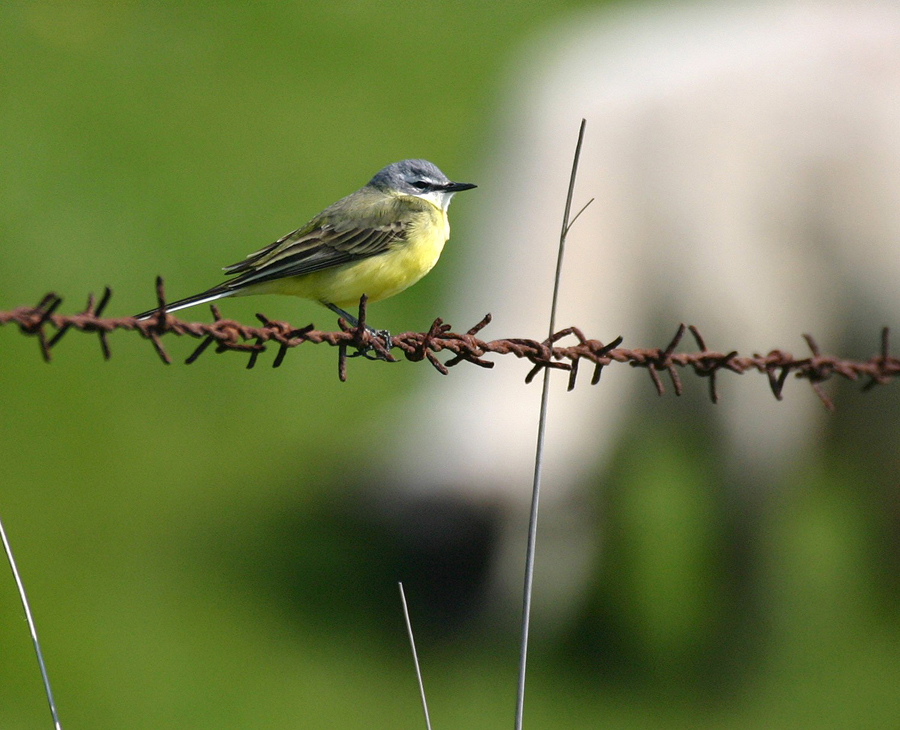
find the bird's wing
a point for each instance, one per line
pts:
(328, 240)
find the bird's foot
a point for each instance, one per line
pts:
(382, 351)
(374, 352)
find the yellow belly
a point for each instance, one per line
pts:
(378, 277)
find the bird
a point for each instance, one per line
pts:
(376, 241)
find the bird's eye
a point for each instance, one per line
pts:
(420, 185)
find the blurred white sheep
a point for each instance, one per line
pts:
(745, 161)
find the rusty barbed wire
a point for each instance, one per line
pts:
(42, 321)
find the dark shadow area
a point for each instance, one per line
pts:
(337, 563)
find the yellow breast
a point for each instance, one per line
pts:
(380, 276)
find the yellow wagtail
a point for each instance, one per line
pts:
(377, 241)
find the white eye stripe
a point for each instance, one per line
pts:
(438, 198)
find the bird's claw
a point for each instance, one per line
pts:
(370, 352)
(386, 337)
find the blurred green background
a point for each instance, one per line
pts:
(179, 529)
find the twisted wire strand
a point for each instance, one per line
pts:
(43, 322)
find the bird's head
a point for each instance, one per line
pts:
(419, 178)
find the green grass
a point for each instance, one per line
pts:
(138, 139)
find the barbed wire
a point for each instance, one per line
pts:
(42, 321)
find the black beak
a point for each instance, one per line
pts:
(454, 187)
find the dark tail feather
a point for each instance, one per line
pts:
(210, 295)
